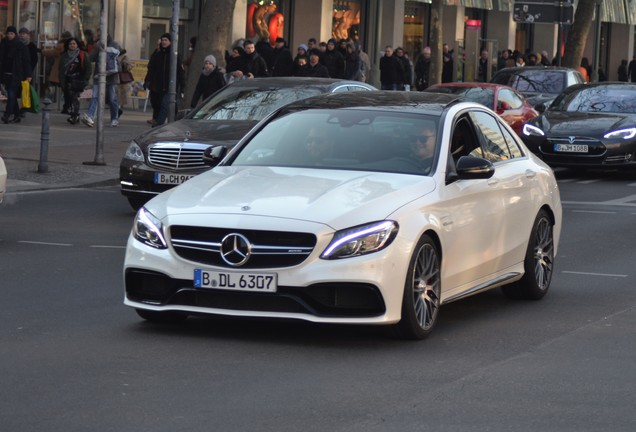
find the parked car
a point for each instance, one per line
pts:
(362, 208)
(168, 155)
(539, 84)
(591, 125)
(505, 101)
(3, 179)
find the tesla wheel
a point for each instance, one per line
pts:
(422, 292)
(136, 203)
(538, 264)
(169, 317)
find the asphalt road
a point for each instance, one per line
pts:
(75, 359)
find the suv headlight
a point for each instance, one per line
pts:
(149, 230)
(361, 240)
(528, 130)
(133, 152)
(628, 133)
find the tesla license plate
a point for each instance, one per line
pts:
(171, 179)
(237, 281)
(570, 148)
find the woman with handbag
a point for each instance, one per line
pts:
(75, 72)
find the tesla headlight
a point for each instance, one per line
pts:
(361, 240)
(528, 130)
(133, 152)
(628, 133)
(149, 230)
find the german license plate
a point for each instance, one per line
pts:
(570, 148)
(171, 179)
(237, 281)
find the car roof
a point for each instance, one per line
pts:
(420, 102)
(288, 82)
(522, 69)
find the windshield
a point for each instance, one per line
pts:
(250, 103)
(346, 139)
(540, 81)
(598, 99)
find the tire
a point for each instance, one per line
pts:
(136, 203)
(422, 291)
(169, 317)
(538, 263)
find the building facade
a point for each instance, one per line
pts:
(468, 25)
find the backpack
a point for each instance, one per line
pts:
(112, 61)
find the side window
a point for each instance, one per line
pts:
(490, 137)
(513, 146)
(510, 98)
(463, 141)
(357, 88)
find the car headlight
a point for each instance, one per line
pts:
(628, 133)
(361, 240)
(528, 130)
(133, 152)
(149, 230)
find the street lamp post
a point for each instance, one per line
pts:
(597, 42)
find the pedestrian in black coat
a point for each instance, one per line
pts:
(314, 68)
(282, 60)
(158, 80)
(333, 60)
(210, 80)
(15, 67)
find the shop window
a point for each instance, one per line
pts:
(265, 20)
(346, 19)
(414, 24)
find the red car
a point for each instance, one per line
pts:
(504, 100)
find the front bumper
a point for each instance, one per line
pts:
(137, 180)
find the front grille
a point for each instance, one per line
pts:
(270, 249)
(177, 156)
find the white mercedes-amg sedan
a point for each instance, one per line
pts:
(359, 208)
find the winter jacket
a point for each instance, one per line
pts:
(207, 85)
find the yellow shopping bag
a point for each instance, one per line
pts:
(26, 94)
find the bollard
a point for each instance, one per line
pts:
(43, 166)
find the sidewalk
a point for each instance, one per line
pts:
(69, 147)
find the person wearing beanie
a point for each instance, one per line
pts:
(313, 68)
(333, 60)
(157, 80)
(301, 53)
(15, 67)
(210, 80)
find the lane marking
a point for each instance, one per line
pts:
(598, 203)
(107, 247)
(593, 211)
(44, 243)
(595, 274)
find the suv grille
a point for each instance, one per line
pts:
(268, 248)
(177, 156)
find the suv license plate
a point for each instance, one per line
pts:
(171, 179)
(237, 281)
(571, 148)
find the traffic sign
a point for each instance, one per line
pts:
(531, 12)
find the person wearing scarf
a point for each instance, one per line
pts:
(210, 80)
(15, 67)
(75, 72)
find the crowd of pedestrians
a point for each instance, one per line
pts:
(71, 66)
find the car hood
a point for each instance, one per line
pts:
(213, 132)
(337, 198)
(579, 123)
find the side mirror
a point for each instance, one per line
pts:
(470, 168)
(213, 155)
(502, 106)
(540, 107)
